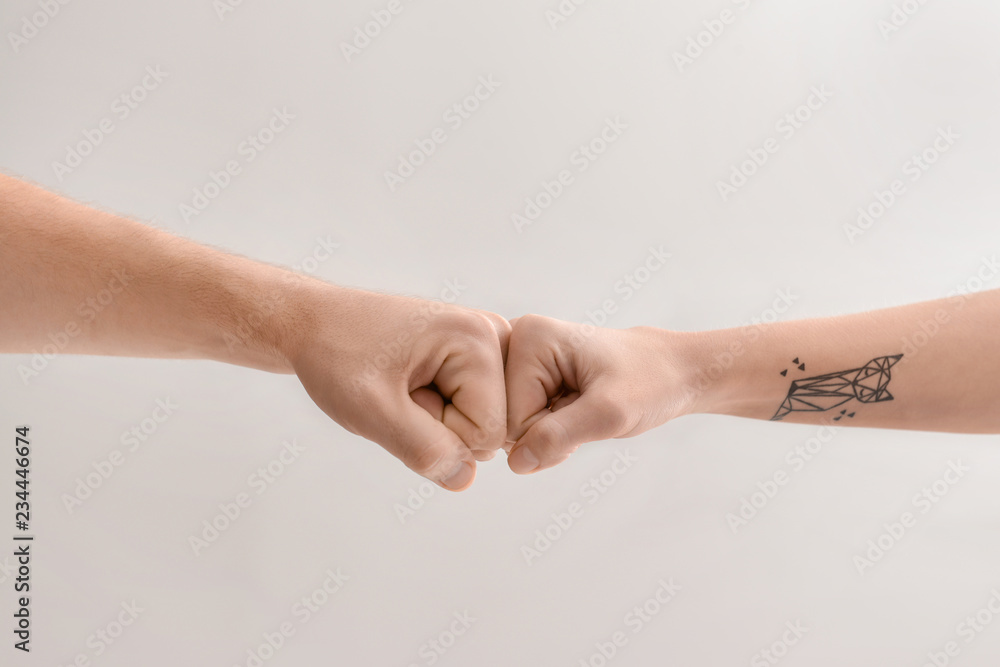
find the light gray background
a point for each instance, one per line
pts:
(335, 507)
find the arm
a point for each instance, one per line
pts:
(423, 379)
(931, 366)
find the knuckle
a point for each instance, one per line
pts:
(552, 436)
(530, 322)
(505, 327)
(499, 323)
(524, 331)
(470, 325)
(476, 336)
(422, 459)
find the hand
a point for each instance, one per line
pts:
(568, 384)
(421, 378)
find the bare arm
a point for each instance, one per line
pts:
(931, 366)
(423, 379)
(118, 287)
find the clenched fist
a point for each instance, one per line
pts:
(569, 383)
(421, 378)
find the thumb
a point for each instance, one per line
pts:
(425, 445)
(553, 436)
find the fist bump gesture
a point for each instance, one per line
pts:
(424, 379)
(562, 384)
(442, 387)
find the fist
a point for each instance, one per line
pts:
(569, 383)
(421, 378)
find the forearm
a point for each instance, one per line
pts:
(89, 282)
(848, 369)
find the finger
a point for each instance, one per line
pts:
(429, 400)
(564, 401)
(425, 445)
(556, 435)
(532, 374)
(434, 404)
(473, 379)
(466, 430)
(503, 328)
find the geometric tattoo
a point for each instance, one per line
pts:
(868, 384)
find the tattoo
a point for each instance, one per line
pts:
(868, 384)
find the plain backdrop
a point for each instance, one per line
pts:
(321, 181)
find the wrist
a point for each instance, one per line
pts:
(714, 369)
(267, 317)
(301, 308)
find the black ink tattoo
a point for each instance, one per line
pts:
(795, 362)
(868, 384)
(843, 413)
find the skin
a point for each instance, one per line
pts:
(440, 386)
(422, 379)
(569, 383)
